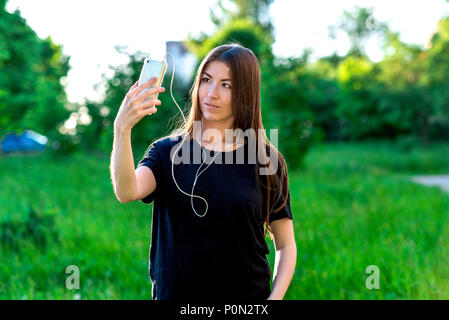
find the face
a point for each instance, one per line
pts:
(215, 90)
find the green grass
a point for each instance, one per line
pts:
(353, 204)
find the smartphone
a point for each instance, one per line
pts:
(152, 68)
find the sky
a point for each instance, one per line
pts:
(89, 30)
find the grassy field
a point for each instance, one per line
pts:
(353, 204)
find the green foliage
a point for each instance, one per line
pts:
(355, 108)
(369, 108)
(31, 94)
(256, 11)
(322, 90)
(437, 82)
(405, 94)
(286, 106)
(242, 31)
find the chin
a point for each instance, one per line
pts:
(215, 116)
(212, 117)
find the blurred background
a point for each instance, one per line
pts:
(359, 91)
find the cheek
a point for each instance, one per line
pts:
(228, 99)
(202, 92)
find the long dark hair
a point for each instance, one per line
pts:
(246, 108)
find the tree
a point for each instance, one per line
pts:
(3, 6)
(356, 109)
(322, 92)
(287, 87)
(359, 25)
(233, 18)
(244, 32)
(257, 11)
(31, 93)
(283, 81)
(437, 80)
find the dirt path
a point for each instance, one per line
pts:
(440, 180)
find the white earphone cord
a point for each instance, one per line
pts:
(176, 152)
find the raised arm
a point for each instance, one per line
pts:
(130, 184)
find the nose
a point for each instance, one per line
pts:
(212, 90)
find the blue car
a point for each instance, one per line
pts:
(27, 142)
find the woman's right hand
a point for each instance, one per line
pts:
(134, 106)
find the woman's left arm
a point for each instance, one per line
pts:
(285, 260)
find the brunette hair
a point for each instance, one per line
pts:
(246, 108)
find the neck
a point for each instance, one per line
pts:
(216, 131)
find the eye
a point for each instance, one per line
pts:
(204, 79)
(227, 84)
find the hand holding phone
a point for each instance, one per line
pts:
(152, 68)
(141, 99)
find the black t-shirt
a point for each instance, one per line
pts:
(221, 255)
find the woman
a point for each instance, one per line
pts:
(208, 237)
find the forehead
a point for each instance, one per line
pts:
(218, 69)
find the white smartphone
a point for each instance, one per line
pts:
(152, 68)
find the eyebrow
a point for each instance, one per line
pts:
(212, 77)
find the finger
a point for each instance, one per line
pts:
(149, 111)
(152, 110)
(151, 91)
(149, 82)
(132, 88)
(150, 103)
(142, 86)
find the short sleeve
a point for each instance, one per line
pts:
(285, 212)
(152, 160)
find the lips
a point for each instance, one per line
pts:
(211, 105)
